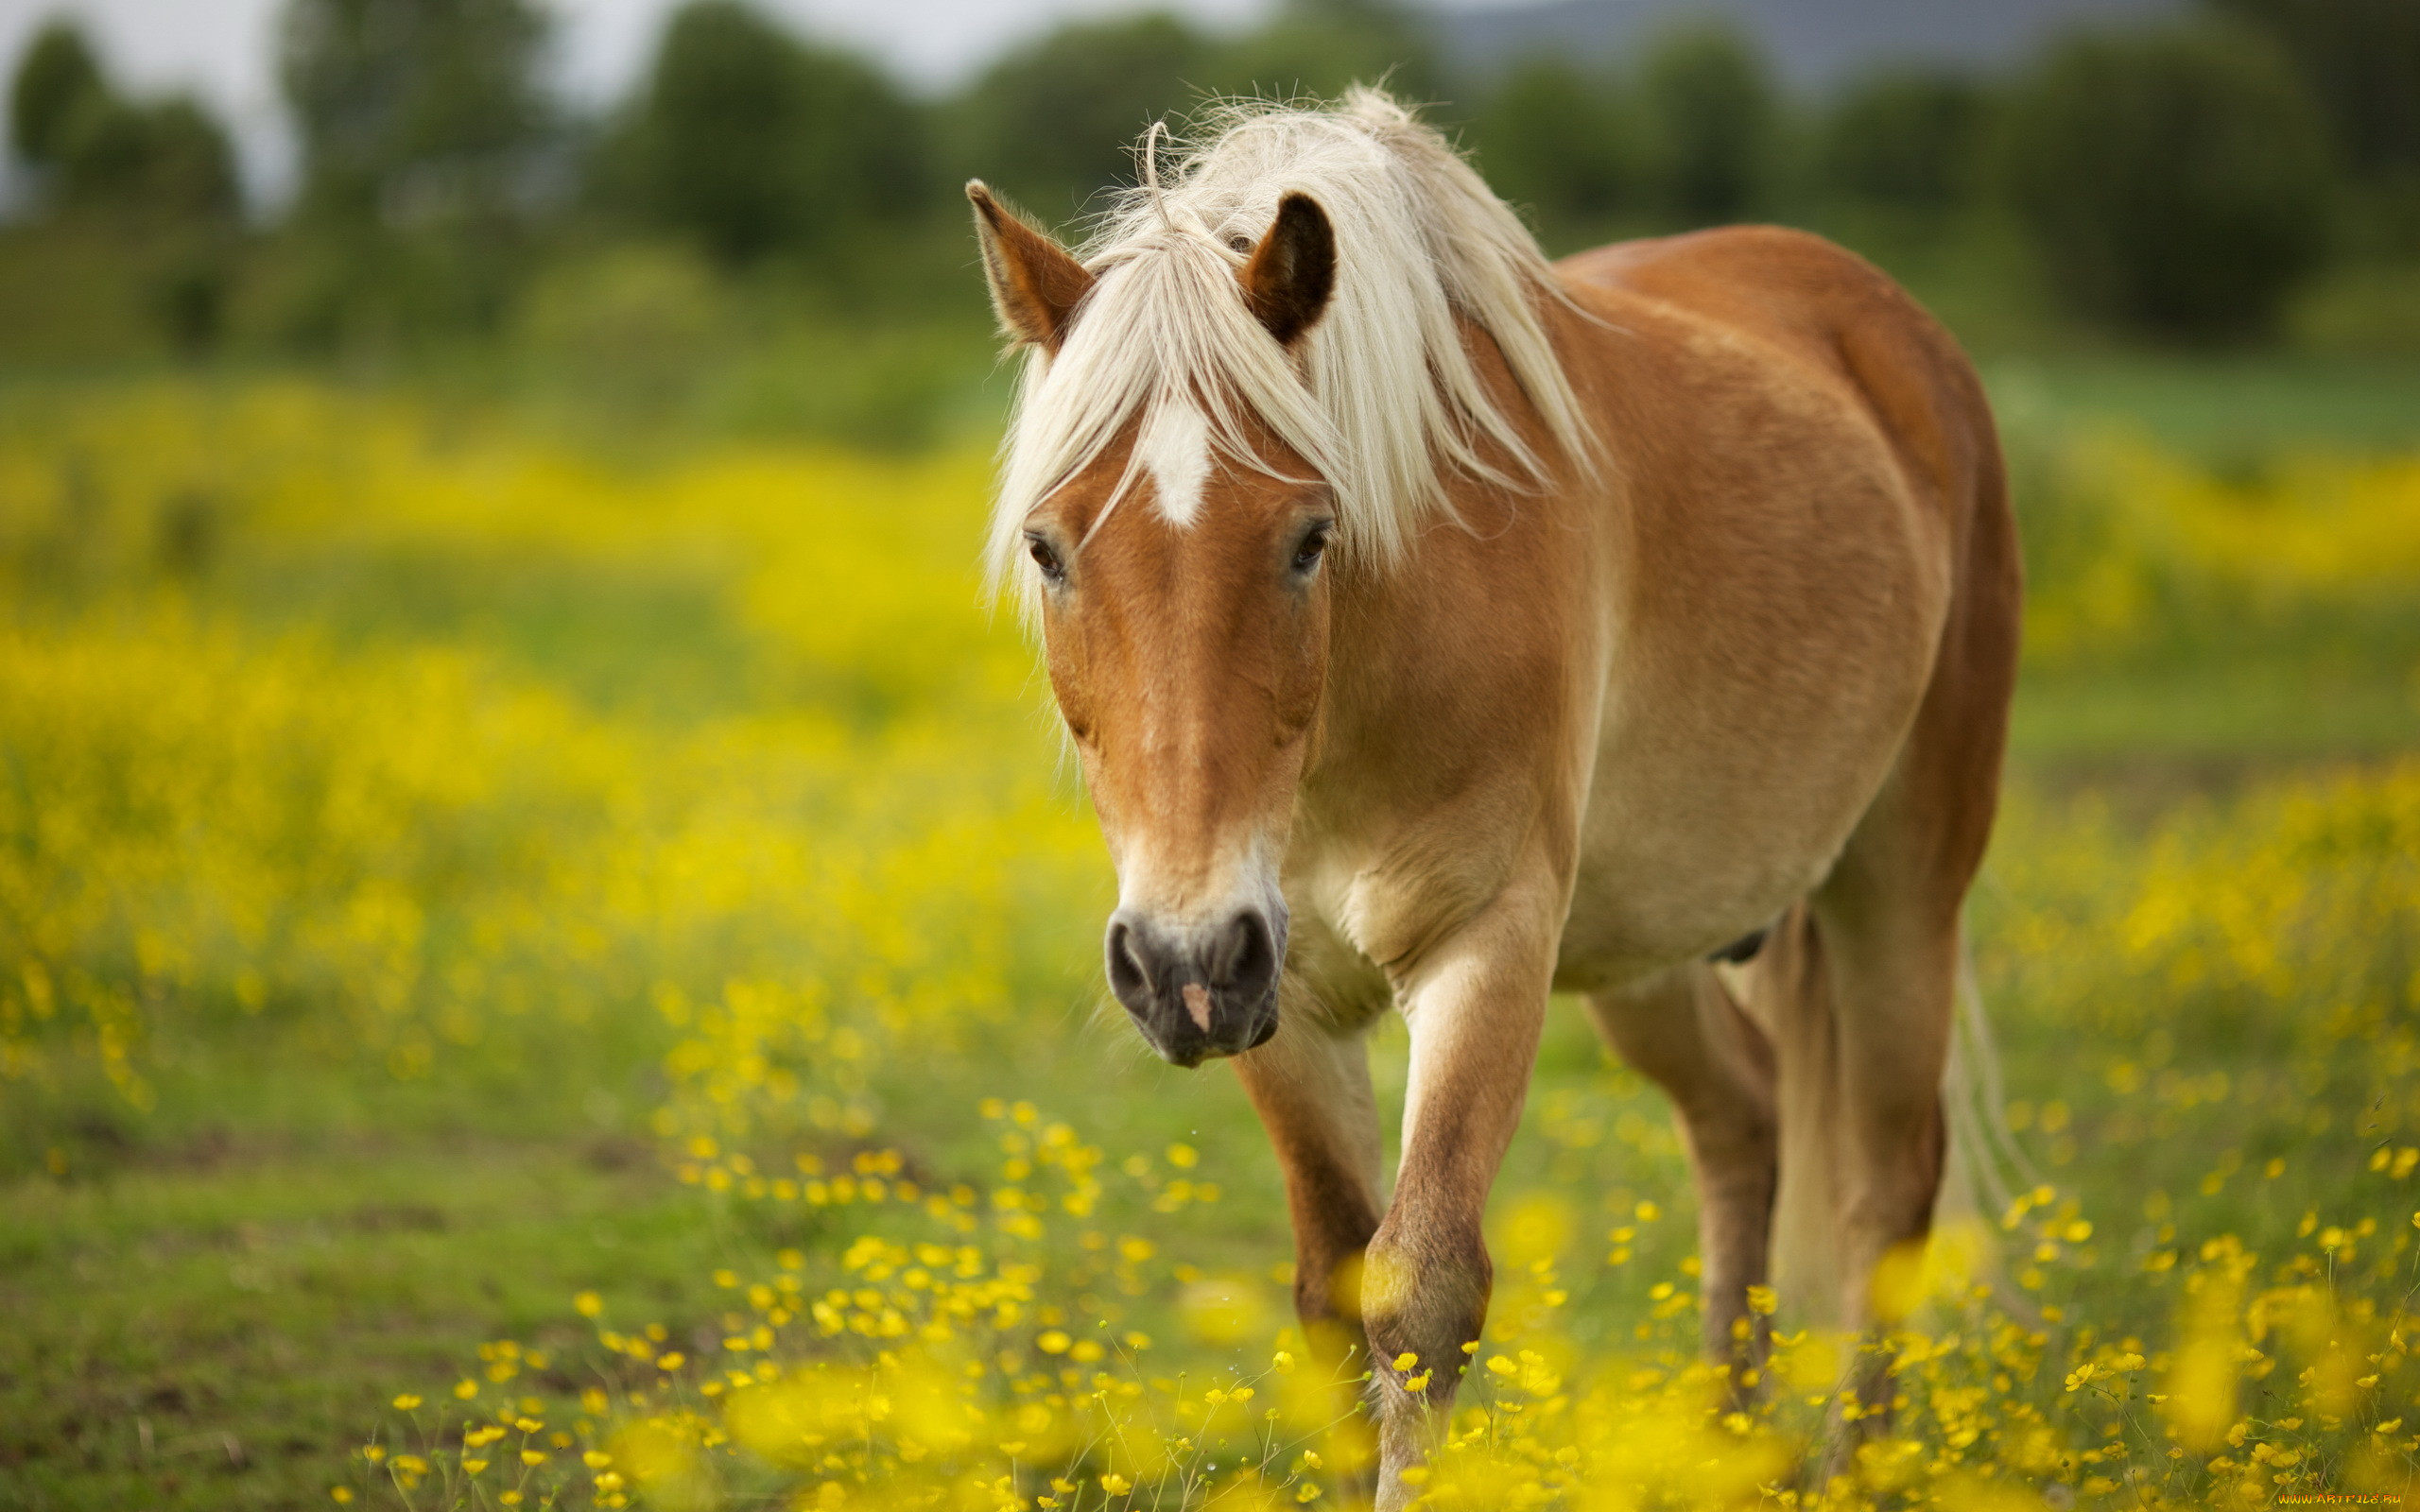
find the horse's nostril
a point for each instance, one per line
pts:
(1245, 958)
(1128, 975)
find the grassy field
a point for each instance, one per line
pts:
(599, 945)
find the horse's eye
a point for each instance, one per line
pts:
(1306, 556)
(1045, 557)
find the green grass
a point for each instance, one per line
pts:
(254, 1268)
(208, 1304)
(2229, 410)
(2220, 686)
(213, 1325)
(2255, 713)
(2249, 691)
(276, 1250)
(214, 1313)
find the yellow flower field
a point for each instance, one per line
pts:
(409, 737)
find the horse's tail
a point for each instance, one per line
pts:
(1798, 1016)
(1982, 1168)
(1987, 1168)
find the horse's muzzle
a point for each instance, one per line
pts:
(1201, 992)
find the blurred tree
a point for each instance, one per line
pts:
(1711, 115)
(165, 159)
(758, 143)
(414, 110)
(146, 190)
(2361, 62)
(1562, 143)
(1908, 138)
(1317, 47)
(423, 131)
(2176, 180)
(58, 83)
(1055, 122)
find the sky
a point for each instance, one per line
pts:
(224, 50)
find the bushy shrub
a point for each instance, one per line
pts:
(151, 182)
(166, 159)
(426, 133)
(2361, 60)
(1317, 47)
(1712, 115)
(58, 81)
(758, 144)
(1054, 122)
(1906, 138)
(2174, 180)
(1562, 143)
(413, 111)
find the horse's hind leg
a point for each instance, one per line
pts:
(1867, 999)
(1890, 968)
(1868, 990)
(1682, 1029)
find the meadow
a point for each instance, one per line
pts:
(547, 970)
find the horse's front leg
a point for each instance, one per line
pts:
(1474, 1006)
(1310, 1085)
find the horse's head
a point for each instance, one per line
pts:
(1183, 599)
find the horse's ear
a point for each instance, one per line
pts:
(1293, 269)
(1035, 284)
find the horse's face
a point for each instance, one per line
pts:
(1186, 632)
(1188, 660)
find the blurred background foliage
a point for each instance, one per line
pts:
(765, 235)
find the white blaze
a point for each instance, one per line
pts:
(1176, 452)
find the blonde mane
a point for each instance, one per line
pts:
(1381, 397)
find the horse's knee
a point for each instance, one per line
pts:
(1890, 1192)
(1886, 1219)
(1424, 1301)
(1424, 1297)
(1734, 1147)
(1329, 1257)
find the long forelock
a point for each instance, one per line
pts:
(1381, 397)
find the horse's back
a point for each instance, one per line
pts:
(1835, 314)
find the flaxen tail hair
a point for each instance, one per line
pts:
(1983, 1167)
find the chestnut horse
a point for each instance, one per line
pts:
(1440, 629)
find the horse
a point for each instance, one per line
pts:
(1440, 628)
